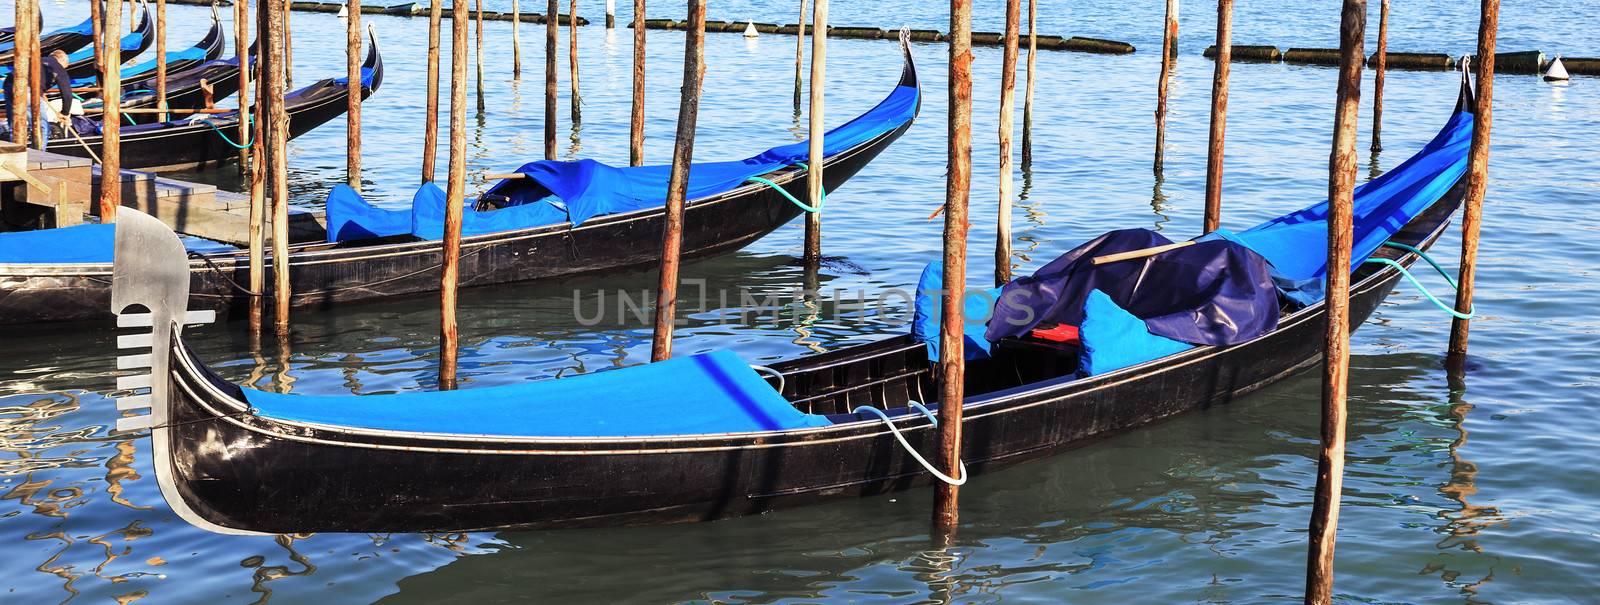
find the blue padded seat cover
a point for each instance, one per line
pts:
(928, 306)
(1114, 339)
(698, 394)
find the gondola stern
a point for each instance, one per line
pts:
(372, 67)
(1465, 99)
(908, 74)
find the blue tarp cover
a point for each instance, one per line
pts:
(700, 394)
(928, 306)
(86, 28)
(558, 192)
(1113, 338)
(188, 54)
(92, 243)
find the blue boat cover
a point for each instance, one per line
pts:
(91, 243)
(700, 394)
(558, 192)
(192, 53)
(86, 28)
(928, 306)
(1213, 292)
(1297, 244)
(1112, 338)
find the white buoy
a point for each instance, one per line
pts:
(750, 29)
(1557, 71)
(344, 11)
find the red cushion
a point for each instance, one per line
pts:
(1056, 333)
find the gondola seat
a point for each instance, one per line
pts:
(700, 394)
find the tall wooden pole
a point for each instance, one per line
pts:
(1008, 107)
(1477, 173)
(430, 131)
(611, 14)
(242, 51)
(814, 182)
(35, 80)
(958, 185)
(694, 68)
(353, 60)
(477, 43)
(550, 18)
(1169, 44)
(1219, 115)
(276, 128)
(111, 120)
(161, 59)
(1336, 343)
(97, 24)
(288, 46)
(1027, 95)
(23, 58)
(572, 59)
(1380, 63)
(259, 207)
(516, 39)
(636, 123)
(455, 196)
(799, 55)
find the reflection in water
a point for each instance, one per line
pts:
(1158, 203)
(1033, 216)
(577, 142)
(119, 468)
(268, 573)
(810, 311)
(1463, 525)
(1373, 170)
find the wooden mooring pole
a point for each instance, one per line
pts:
(31, 81)
(353, 59)
(694, 68)
(572, 60)
(611, 14)
(242, 50)
(958, 186)
(455, 196)
(1027, 95)
(1219, 115)
(799, 54)
(97, 21)
(161, 59)
(1008, 105)
(550, 18)
(516, 39)
(636, 122)
(1477, 175)
(430, 130)
(276, 129)
(258, 168)
(1336, 342)
(477, 45)
(1169, 44)
(23, 58)
(814, 182)
(288, 47)
(1380, 63)
(111, 122)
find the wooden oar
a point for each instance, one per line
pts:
(1141, 253)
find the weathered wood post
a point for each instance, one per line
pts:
(572, 59)
(97, 24)
(516, 39)
(1380, 63)
(477, 43)
(242, 50)
(1219, 115)
(161, 59)
(276, 128)
(958, 185)
(694, 68)
(1008, 105)
(611, 14)
(288, 46)
(1336, 342)
(111, 120)
(550, 19)
(1477, 174)
(636, 122)
(258, 167)
(1027, 95)
(1169, 45)
(353, 60)
(23, 58)
(814, 182)
(799, 54)
(455, 196)
(430, 131)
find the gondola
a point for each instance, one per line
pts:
(185, 68)
(68, 39)
(326, 274)
(7, 34)
(710, 437)
(204, 141)
(81, 64)
(143, 75)
(186, 89)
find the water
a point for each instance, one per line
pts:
(1482, 494)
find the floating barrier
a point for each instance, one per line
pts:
(1248, 53)
(1576, 65)
(1312, 56)
(1521, 62)
(1417, 61)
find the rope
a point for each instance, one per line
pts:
(909, 450)
(775, 374)
(803, 206)
(1453, 313)
(1424, 255)
(218, 270)
(225, 137)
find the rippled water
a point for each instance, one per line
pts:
(1481, 494)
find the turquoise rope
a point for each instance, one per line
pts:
(228, 140)
(1424, 255)
(803, 206)
(1431, 298)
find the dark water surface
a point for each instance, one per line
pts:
(1482, 494)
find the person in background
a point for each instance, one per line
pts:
(53, 70)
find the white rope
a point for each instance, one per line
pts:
(909, 450)
(775, 374)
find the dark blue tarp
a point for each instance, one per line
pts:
(1213, 292)
(699, 394)
(559, 192)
